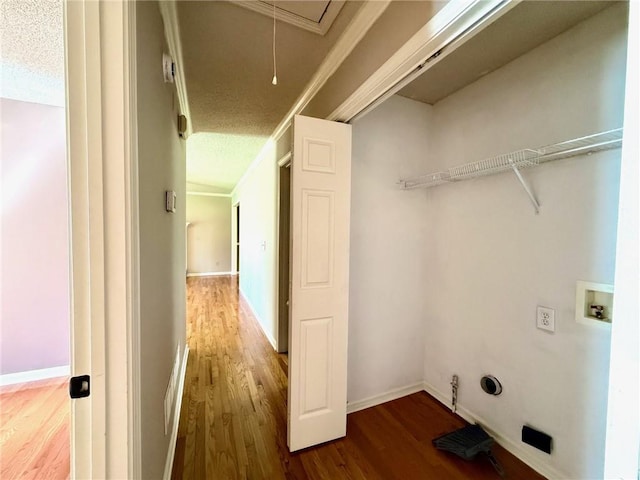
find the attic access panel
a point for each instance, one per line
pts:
(316, 16)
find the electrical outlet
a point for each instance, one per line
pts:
(546, 319)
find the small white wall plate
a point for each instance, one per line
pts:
(589, 294)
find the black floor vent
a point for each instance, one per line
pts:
(467, 443)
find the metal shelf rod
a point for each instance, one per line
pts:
(520, 159)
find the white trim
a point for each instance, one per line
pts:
(622, 443)
(319, 28)
(257, 317)
(285, 161)
(83, 73)
(455, 24)
(387, 396)
(508, 444)
(99, 57)
(211, 274)
(210, 194)
(134, 410)
(168, 465)
(34, 375)
(169, 14)
(359, 26)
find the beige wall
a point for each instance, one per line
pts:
(387, 298)
(208, 234)
(257, 197)
(162, 235)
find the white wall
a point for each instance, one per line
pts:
(162, 236)
(483, 259)
(257, 196)
(492, 261)
(35, 320)
(387, 304)
(208, 234)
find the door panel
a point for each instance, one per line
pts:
(320, 205)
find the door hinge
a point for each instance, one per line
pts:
(80, 387)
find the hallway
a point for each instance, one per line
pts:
(234, 419)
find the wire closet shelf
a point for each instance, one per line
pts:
(519, 159)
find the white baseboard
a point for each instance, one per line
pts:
(272, 340)
(34, 375)
(508, 444)
(168, 466)
(384, 397)
(210, 274)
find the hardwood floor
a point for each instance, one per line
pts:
(34, 430)
(234, 418)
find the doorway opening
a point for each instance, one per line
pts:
(284, 248)
(235, 234)
(35, 322)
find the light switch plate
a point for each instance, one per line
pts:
(546, 319)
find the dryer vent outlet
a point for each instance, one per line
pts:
(491, 385)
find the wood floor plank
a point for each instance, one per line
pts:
(34, 430)
(234, 419)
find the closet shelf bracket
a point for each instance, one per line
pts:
(536, 205)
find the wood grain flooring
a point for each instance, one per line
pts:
(34, 430)
(234, 418)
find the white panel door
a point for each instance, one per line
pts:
(320, 207)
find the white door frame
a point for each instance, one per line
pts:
(101, 131)
(622, 445)
(281, 344)
(235, 239)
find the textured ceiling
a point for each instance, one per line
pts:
(529, 24)
(32, 51)
(220, 159)
(228, 66)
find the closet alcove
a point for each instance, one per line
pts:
(446, 280)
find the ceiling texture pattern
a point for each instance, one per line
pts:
(228, 66)
(32, 51)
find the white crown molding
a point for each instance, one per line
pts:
(209, 194)
(456, 23)
(319, 28)
(364, 18)
(168, 10)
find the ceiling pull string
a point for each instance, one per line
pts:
(275, 76)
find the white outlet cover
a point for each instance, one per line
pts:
(546, 319)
